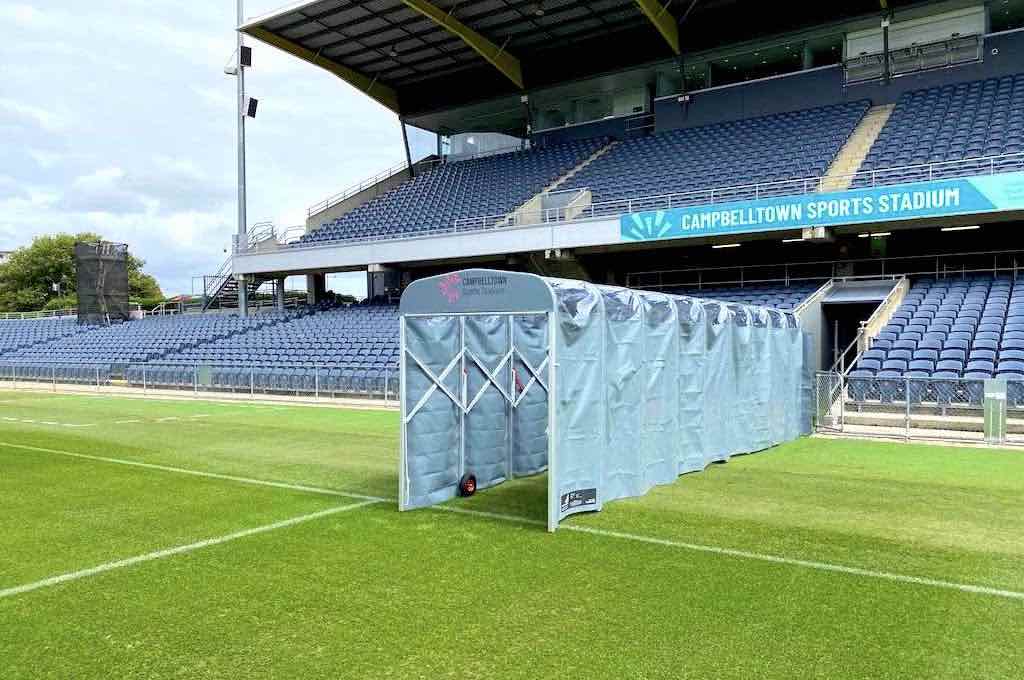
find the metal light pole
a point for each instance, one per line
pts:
(242, 237)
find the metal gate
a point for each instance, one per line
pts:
(829, 388)
(497, 360)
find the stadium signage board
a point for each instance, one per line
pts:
(989, 193)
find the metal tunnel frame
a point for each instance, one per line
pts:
(612, 391)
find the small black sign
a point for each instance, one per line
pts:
(576, 499)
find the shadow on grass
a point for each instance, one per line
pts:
(526, 497)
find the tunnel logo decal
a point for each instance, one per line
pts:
(450, 288)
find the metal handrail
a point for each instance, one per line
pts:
(917, 53)
(820, 292)
(883, 305)
(40, 314)
(52, 313)
(362, 185)
(811, 263)
(712, 196)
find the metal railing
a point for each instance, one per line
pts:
(913, 407)
(914, 58)
(362, 185)
(940, 265)
(202, 380)
(54, 313)
(982, 165)
(41, 314)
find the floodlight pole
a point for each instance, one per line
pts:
(242, 238)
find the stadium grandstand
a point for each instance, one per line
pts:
(860, 164)
(731, 260)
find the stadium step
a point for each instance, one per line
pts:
(576, 170)
(531, 211)
(848, 160)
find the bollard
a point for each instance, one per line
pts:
(906, 398)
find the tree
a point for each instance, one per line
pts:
(27, 278)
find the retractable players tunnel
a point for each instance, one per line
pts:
(610, 390)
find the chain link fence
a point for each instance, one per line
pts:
(205, 380)
(914, 407)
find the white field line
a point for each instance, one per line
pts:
(696, 547)
(51, 423)
(178, 550)
(760, 557)
(130, 421)
(197, 473)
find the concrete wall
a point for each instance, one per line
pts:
(812, 320)
(824, 86)
(314, 222)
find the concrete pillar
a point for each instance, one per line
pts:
(316, 285)
(808, 57)
(279, 292)
(243, 295)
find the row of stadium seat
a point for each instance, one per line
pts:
(969, 123)
(261, 378)
(779, 147)
(348, 349)
(947, 336)
(343, 349)
(777, 296)
(140, 340)
(949, 124)
(477, 187)
(774, 148)
(19, 334)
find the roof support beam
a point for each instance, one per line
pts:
(663, 20)
(497, 56)
(370, 86)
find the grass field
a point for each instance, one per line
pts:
(818, 559)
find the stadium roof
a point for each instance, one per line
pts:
(418, 56)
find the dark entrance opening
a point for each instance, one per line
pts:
(842, 321)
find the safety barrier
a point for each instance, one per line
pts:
(316, 382)
(917, 407)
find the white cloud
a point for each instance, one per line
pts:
(44, 118)
(26, 16)
(127, 127)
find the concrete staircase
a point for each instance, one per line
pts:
(587, 161)
(853, 153)
(532, 210)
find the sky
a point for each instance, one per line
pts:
(116, 117)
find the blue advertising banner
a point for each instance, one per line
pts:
(989, 193)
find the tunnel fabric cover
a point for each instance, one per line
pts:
(646, 386)
(651, 386)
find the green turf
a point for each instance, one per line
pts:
(428, 594)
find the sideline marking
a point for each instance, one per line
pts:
(729, 552)
(130, 421)
(746, 555)
(197, 473)
(178, 550)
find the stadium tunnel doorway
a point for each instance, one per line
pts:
(476, 371)
(842, 321)
(612, 391)
(845, 308)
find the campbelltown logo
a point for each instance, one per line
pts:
(455, 286)
(489, 281)
(644, 226)
(449, 287)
